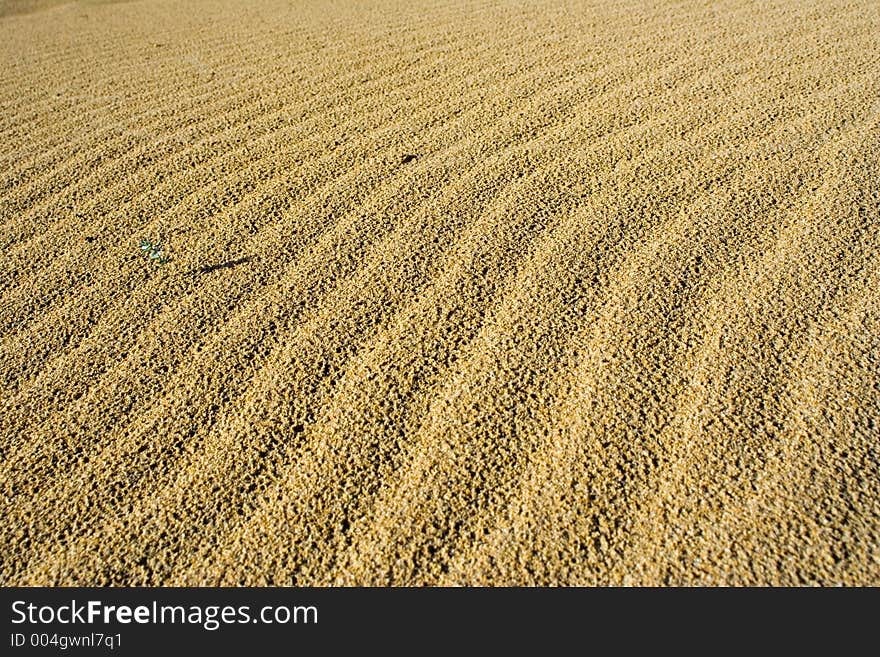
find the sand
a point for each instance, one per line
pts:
(480, 293)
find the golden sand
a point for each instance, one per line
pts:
(491, 292)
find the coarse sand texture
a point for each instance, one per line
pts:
(480, 292)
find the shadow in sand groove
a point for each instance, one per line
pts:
(229, 264)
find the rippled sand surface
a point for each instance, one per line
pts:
(492, 292)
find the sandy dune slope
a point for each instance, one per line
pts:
(459, 292)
